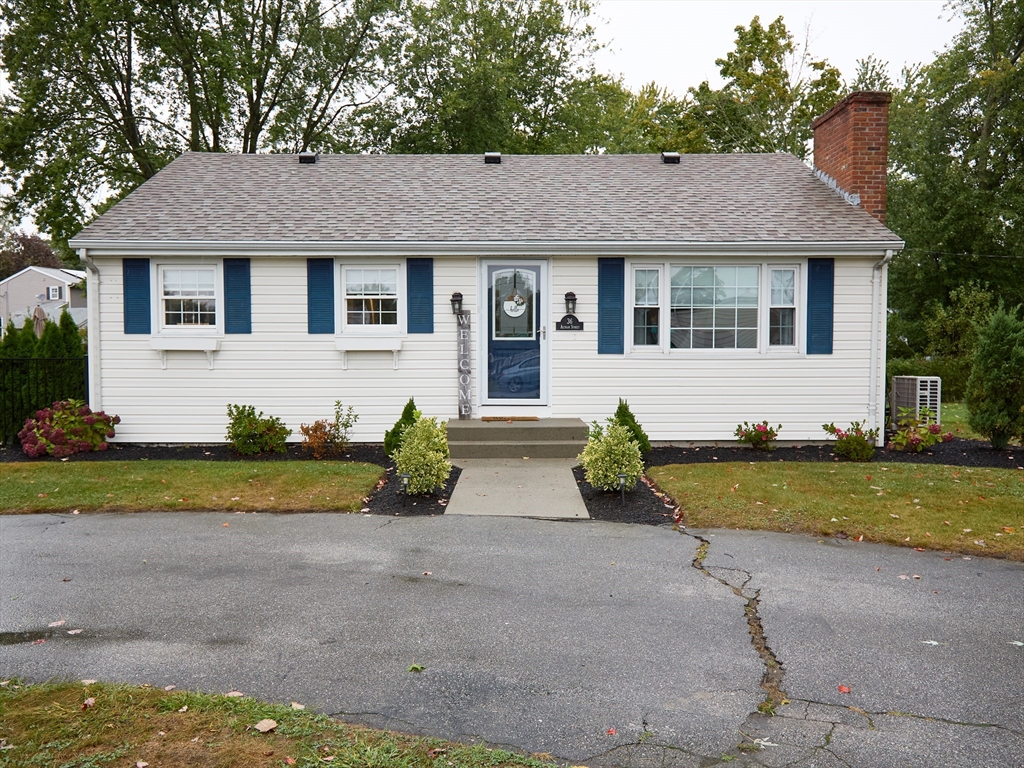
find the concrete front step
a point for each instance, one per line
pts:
(542, 439)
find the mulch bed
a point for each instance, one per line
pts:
(643, 505)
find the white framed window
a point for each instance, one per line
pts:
(53, 293)
(746, 307)
(188, 298)
(646, 305)
(714, 307)
(371, 298)
(782, 307)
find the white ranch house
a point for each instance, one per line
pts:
(710, 289)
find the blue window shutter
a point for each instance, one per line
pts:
(137, 314)
(320, 295)
(820, 292)
(419, 278)
(237, 296)
(611, 306)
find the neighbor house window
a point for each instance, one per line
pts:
(188, 297)
(782, 312)
(714, 307)
(646, 307)
(371, 297)
(53, 292)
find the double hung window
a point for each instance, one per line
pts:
(371, 298)
(188, 297)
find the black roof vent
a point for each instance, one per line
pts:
(670, 158)
(492, 158)
(307, 158)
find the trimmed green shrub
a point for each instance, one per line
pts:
(393, 437)
(995, 390)
(327, 439)
(608, 452)
(250, 433)
(625, 417)
(68, 427)
(855, 443)
(423, 454)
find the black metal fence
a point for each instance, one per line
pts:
(28, 384)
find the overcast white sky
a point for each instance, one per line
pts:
(675, 42)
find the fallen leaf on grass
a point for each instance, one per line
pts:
(184, 709)
(141, 764)
(844, 689)
(170, 687)
(289, 761)
(266, 726)
(88, 682)
(1007, 529)
(432, 753)
(894, 516)
(234, 694)
(296, 705)
(90, 702)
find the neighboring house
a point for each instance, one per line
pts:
(52, 289)
(710, 289)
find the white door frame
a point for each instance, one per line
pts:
(535, 407)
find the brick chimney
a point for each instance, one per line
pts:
(851, 145)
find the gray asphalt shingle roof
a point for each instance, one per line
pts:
(738, 198)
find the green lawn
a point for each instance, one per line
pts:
(916, 505)
(156, 486)
(79, 725)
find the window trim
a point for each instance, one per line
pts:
(401, 296)
(161, 328)
(765, 266)
(631, 307)
(799, 301)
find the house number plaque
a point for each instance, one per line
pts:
(465, 370)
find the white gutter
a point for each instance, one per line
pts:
(92, 297)
(399, 248)
(878, 280)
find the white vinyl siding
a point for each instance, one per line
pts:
(680, 396)
(278, 368)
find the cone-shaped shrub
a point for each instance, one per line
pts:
(995, 390)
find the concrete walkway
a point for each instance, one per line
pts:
(517, 488)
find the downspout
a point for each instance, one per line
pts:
(92, 298)
(878, 274)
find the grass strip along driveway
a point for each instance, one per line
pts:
(156, 486)
(979, 511)
(95, 724)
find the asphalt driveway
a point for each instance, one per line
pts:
(598, 643)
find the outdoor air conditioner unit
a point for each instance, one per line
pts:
(918, 393)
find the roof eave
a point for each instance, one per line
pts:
(391, 248)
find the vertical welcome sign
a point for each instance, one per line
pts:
(465, 370)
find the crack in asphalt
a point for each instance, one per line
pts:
(774, 673)
(869, 715)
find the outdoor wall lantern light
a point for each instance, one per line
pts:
(570, 303)
(622, 486)
(456, 303)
